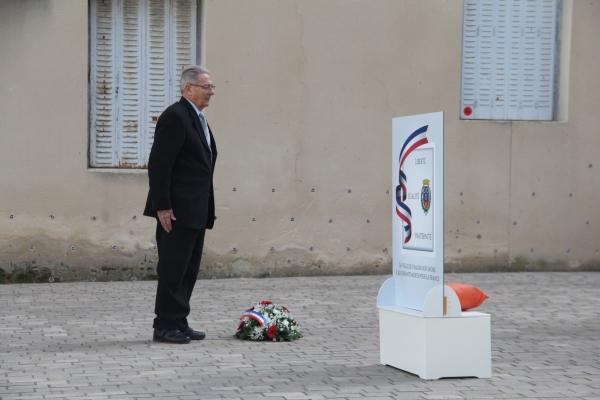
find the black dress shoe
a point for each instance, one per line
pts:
(172, 336)
(192, 334)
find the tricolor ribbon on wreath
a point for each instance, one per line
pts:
(414, 141)
(258, 317)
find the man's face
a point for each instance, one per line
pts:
(198, 95)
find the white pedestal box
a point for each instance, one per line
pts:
(422, 327)
(457, 344)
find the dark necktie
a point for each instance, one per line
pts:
(205, 129)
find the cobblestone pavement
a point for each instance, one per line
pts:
(93, 341)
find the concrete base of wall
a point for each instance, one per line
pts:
(37, 271)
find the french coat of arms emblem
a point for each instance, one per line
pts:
(426, 196)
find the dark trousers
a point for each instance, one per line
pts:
(179, 256)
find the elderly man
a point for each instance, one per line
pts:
(180, 171)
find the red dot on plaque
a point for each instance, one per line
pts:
(468, 111)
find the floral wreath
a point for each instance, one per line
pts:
(266, 321)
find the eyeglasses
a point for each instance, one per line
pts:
(208, 88)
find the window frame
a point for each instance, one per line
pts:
(501, 104)
(172, 25)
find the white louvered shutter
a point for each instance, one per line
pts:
(138, 49)
(103, 77)
(128, 103)
(157, 78)
(183, 29)
(509, 59)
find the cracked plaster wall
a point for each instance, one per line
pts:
(306, 91)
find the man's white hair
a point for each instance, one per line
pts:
(190, 75)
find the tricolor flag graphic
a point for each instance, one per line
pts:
(415, 140)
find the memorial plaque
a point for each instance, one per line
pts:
(418, 216)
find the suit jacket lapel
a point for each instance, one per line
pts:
(196, 119)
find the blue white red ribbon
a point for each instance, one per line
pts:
(258, 317)
(415, 140)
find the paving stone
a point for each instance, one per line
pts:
(93, 341)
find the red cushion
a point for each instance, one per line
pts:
(469, 296)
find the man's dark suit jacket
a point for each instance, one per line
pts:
(180, 168)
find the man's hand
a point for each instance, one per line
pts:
(165, 217)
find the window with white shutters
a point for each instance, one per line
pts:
(510, 59)
(137, 51)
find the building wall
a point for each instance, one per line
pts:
(305, 95)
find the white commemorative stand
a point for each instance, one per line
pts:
(421, 326)
(457, 344)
